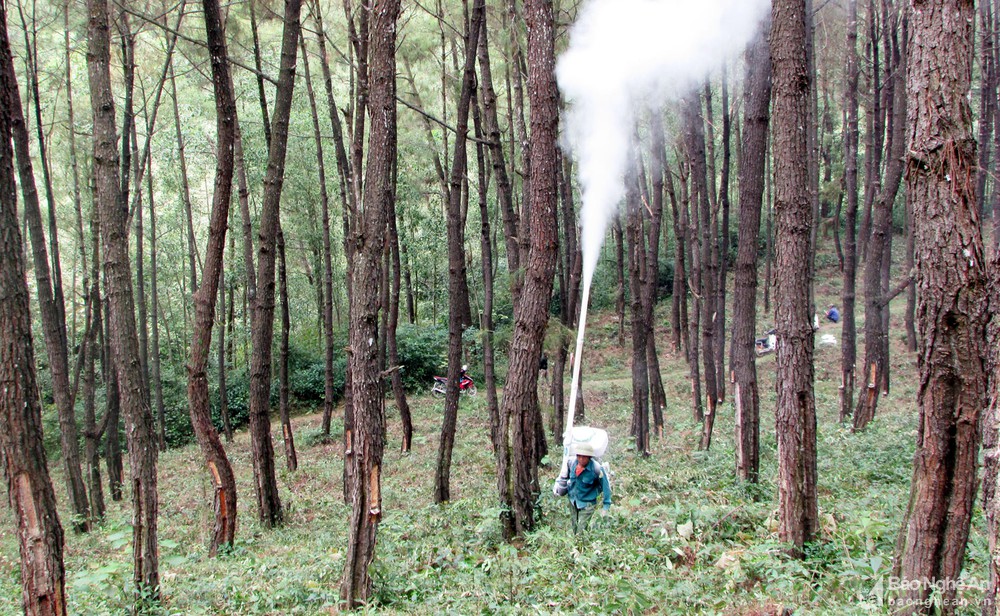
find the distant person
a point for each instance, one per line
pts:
(543, 368)
(581, 479)
(833, 315)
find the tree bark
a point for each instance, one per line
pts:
(756, 120)
(703, 275)
(185, 186)
(394, 364)
(875, 129)
(121, 319)
(140, 277)
(73, 161)
(848, 332)
(32, 498)
(505, 192)
(910, 316)
(223, 480)
(368, 443)
(658, 167)
(619, 237)
(324, 200)
(690, 223)
(160, 410)
(520, 399)
(991, 443)
(287, 437)
(723, 240)
(768, 229)
(227, 424)
(53, 315)
(262, 323)
(456, 258)
(987, 101)
(796, 407)
(639, 325)
(951, 297)
(92, 351)
(876, 362)
(678, 312)
(112, 411)
(995, 27)
(499, 425)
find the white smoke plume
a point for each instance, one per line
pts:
(626, 56)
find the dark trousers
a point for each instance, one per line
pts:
(581, 517)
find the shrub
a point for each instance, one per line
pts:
(423, 352)
(308, 382)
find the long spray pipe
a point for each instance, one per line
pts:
(574, 389)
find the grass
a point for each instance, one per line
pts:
(683, 536)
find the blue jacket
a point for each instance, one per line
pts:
(582, 489)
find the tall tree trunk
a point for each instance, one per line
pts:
(161, 418)
(910, 316)
(499, 425)
(709, 257)
(768, 230)
(756, 120)
(505, 192)
(324, 200)
(812, 130)
(995, 243)
(518, 129)
(723, 240)
(345, 174)
(796, 410)
(876, 362)
(92, 350)
(456, 258)
(227, 424)
(356, 116)
(991, 442)
(689, 221)
(875, 129)
(140, 277)
(705, 274)
(848, 332)
(639, 325)
(658, 167)
(122, 327)
(288, 438)
(31, 496)
(368, 444)
(951, 308)
(73, 161)
(679, 291)
(185, 187)
(53, 315)
(520, 400)
(31, 46)
(112, 411)
(987, 100)
(394, 363)
(223, 480)
(616, 231)
(262, 323)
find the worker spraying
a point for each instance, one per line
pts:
(582, 479)
(583, 476)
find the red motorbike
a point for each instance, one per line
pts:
(465, 385)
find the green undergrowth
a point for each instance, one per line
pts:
(684, 536)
